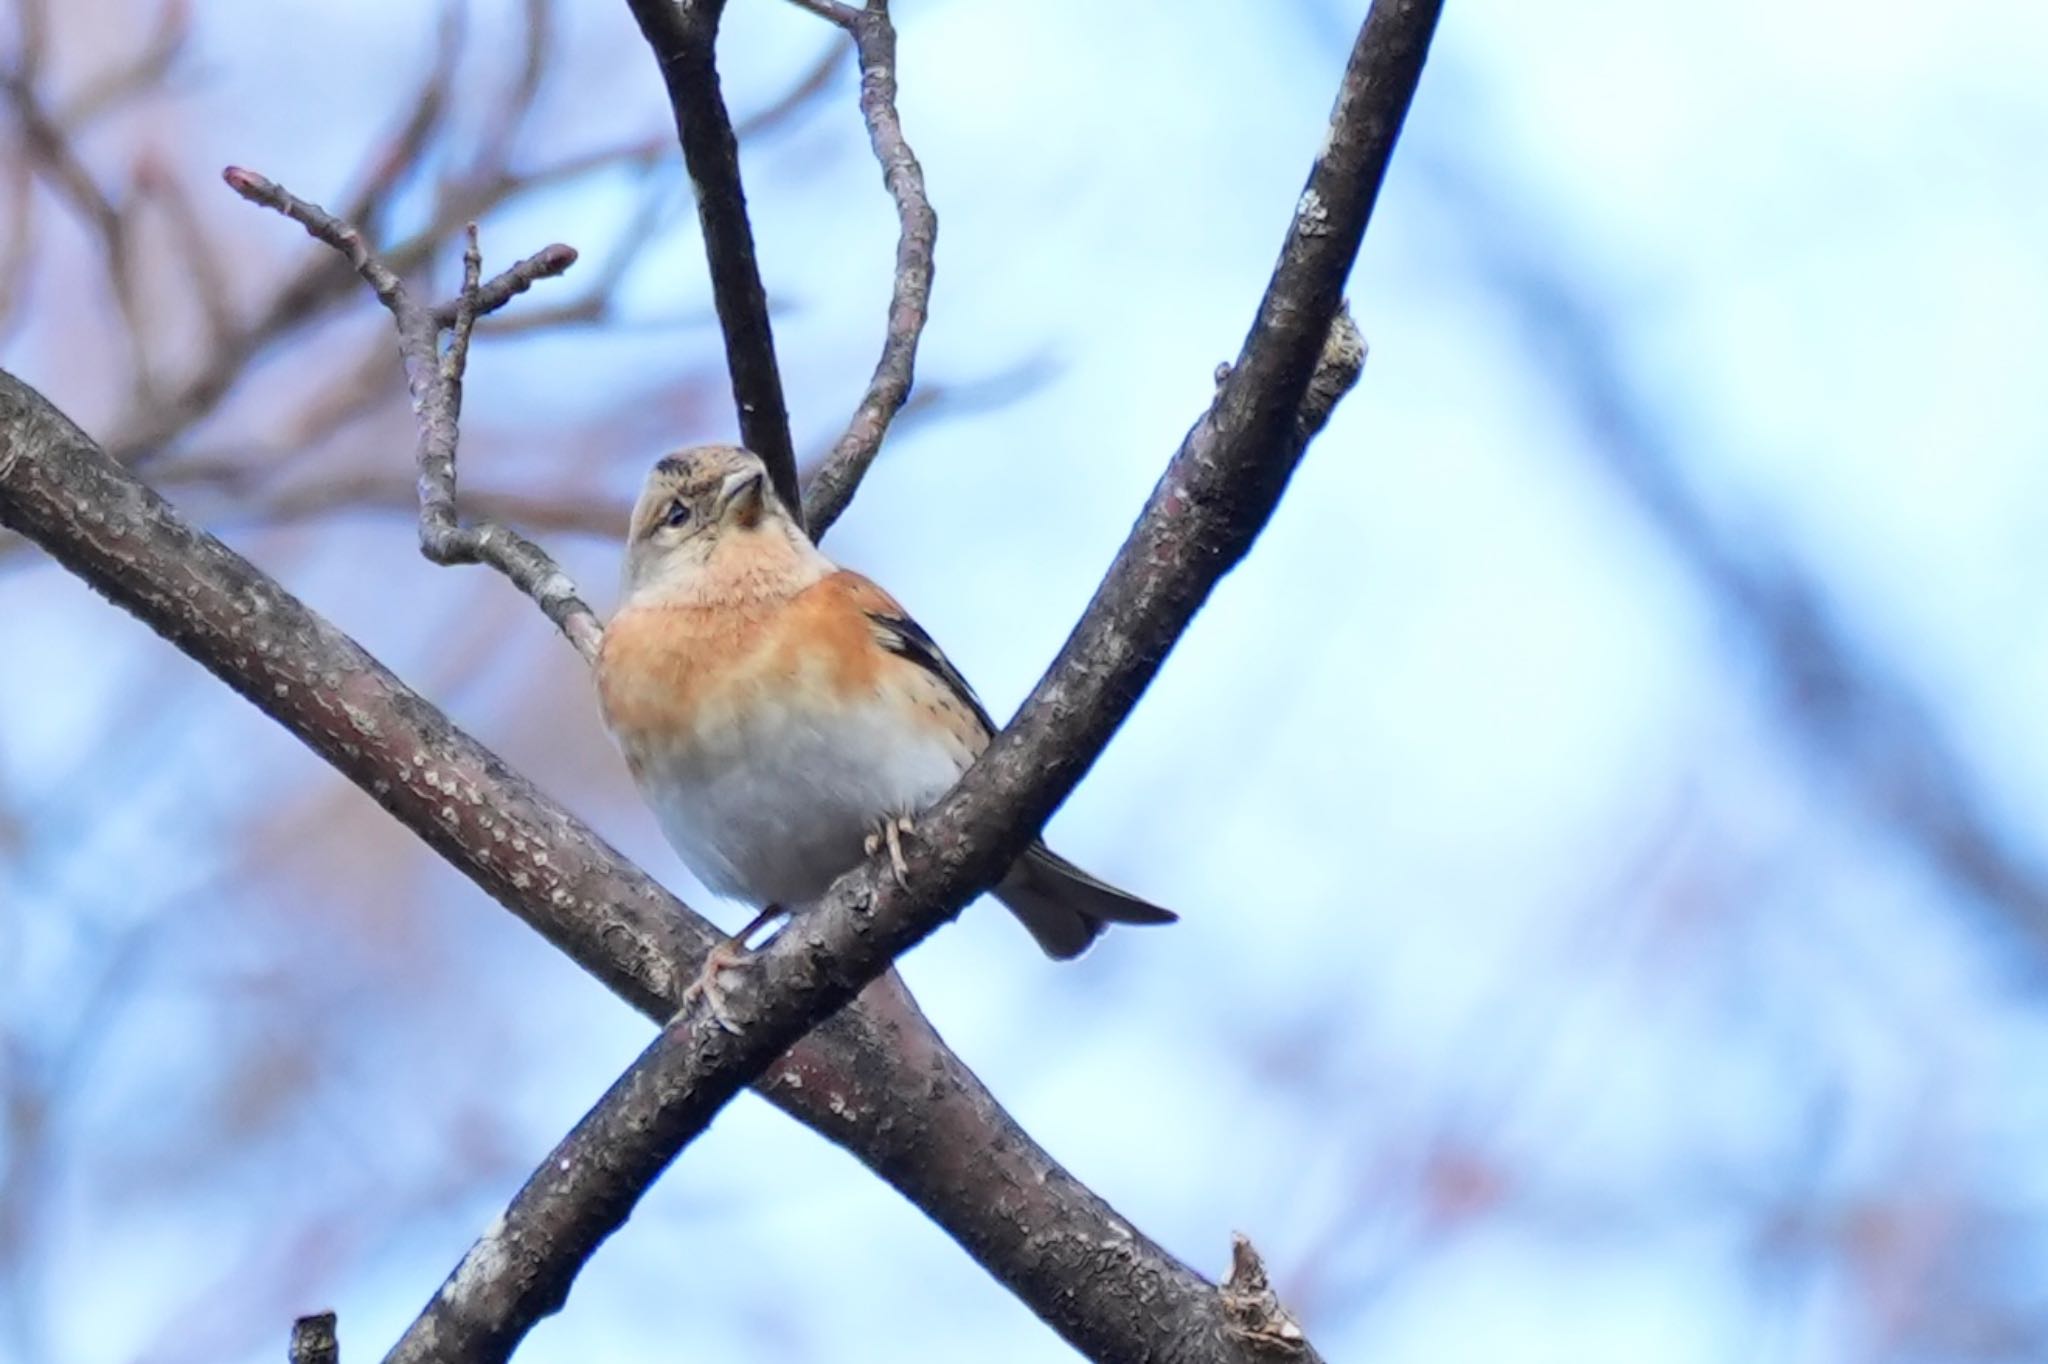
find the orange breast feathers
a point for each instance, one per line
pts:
(676, 671)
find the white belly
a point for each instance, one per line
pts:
(773, 807)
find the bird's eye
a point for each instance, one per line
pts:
(678, 513)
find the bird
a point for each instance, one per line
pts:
(785, 718)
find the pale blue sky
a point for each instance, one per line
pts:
(1483, 836)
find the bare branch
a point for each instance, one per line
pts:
(832, 487)
(1254, 1308)
(466, 805)
(1343, 360)
(875, 1079)
(155, 420)
(323, 226)
(1215, 497)
(248, 475)
(683, 34)
(509, 283)
(48, 143)
(149, 430)
(595, 303)
(435, 377)
(315, 1341)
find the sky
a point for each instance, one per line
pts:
(1544, 991)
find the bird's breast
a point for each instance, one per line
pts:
(766, 757)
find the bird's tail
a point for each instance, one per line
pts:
(1064, 907)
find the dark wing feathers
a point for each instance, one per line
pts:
(1063, 906)
(906, 639)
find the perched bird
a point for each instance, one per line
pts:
(784, 716)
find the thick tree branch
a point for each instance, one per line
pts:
(683, 34)
(876, 1079)
(833, 485)
(435, 377)
(522, 1268)
(1215, 497)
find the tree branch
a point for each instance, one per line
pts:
(875, 1079)
(683, 34)
(1213, 500)
(314, 1340)
(435, 377)
(832, 487)
(522, 1268)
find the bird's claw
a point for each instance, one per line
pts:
(730, 955)
(890, 833)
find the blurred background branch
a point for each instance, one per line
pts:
(1636, 1020)
(161, 412)
(1858, 719)
(870, 1078)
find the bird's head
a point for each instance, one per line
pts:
(701, 503)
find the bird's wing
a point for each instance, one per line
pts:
(902, 636)
(1063, 906)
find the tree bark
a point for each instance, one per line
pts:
(876, 1079)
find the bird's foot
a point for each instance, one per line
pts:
(890, 833)
(731, 955)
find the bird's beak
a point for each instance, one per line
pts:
(743, 497)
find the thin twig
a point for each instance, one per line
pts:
(323, 226)
(894, 1096)
(248, 475)
(435, 377)
(876, 1078)
(1301, 354)
(833, 485)
(595, 304)
(683, 35)
(153, 422)
(149, 429)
